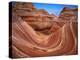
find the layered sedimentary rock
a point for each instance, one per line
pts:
(38, 33)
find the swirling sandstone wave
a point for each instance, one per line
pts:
(59, 38)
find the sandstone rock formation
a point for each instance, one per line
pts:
(38, 33)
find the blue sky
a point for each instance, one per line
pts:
(52, 8)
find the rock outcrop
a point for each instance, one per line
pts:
(38, 33)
